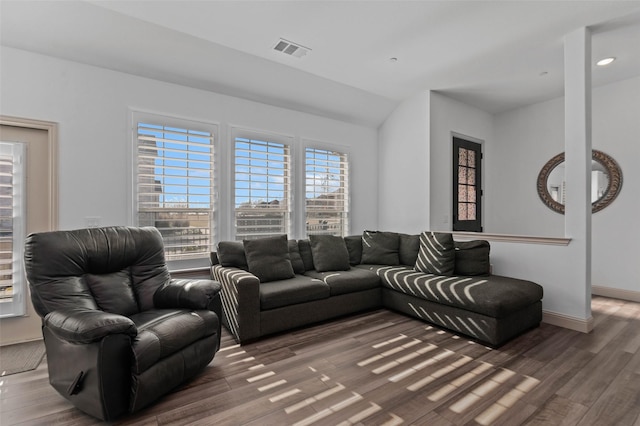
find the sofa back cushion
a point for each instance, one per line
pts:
(231, 253)
(268, 258)
(304, 246)
(409, 248)
(296, 259)
(472, 258)
(329, 253)
(437, 254)
(354, 247)
(380, 248)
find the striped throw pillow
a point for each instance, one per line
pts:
(437, 254)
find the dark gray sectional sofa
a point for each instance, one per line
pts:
(489, 308)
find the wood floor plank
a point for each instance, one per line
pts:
(634, 364)
(382, 367)
(608, 330)
(558, 411)
(554, 340)
(555, 374)
(631, 338)
(589, 383)
(619, 404)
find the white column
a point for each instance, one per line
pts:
(577, 89)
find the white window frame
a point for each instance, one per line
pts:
(200, 260)
(346, 216)
(262, 136)
(16, 305)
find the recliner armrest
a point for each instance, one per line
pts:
(85, 326)
(186, 293)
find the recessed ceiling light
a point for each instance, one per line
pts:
(605, 61)
(394, 59)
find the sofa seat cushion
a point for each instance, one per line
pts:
(494, 296)
(163, 332)
(299, 289)
(342, 282)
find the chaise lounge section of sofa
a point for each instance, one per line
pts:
(333, 276)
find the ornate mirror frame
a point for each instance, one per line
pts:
(612, 191)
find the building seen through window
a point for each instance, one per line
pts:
(262, 188)
(326, 199)
(175, 188)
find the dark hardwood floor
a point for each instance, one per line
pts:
(383, 368)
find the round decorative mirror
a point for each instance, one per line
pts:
(606, 182)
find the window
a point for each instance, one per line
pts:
(262, 188)
(467, 188)
(327, 192)
(175, 191)
(12, 228)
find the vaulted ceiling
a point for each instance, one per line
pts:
(495, 55)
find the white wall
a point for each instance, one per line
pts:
(526, 138)
(447, 117)
(547, 265)
(92, 106)
(404, 164)
(616, 232)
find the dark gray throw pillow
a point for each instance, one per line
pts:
(329, 253)
(437, 254)
(231, 253)
(268, 258)
(296, 259)
(472, 258)
(380, 248)
(409, 247)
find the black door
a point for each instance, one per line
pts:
(467, 188)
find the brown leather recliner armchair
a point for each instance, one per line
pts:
(119, 332)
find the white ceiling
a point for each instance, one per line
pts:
(489, 54)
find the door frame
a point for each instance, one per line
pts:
(52, 144)
(27, 327)
(475, 145)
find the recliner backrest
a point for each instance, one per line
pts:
(115, 269)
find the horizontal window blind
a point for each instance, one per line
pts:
(327, 192)
(262, 188)
(175, 188)
(12, 216)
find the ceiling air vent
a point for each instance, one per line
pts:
(290, 48)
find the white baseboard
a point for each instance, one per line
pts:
(616, 293)
(565, 321)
